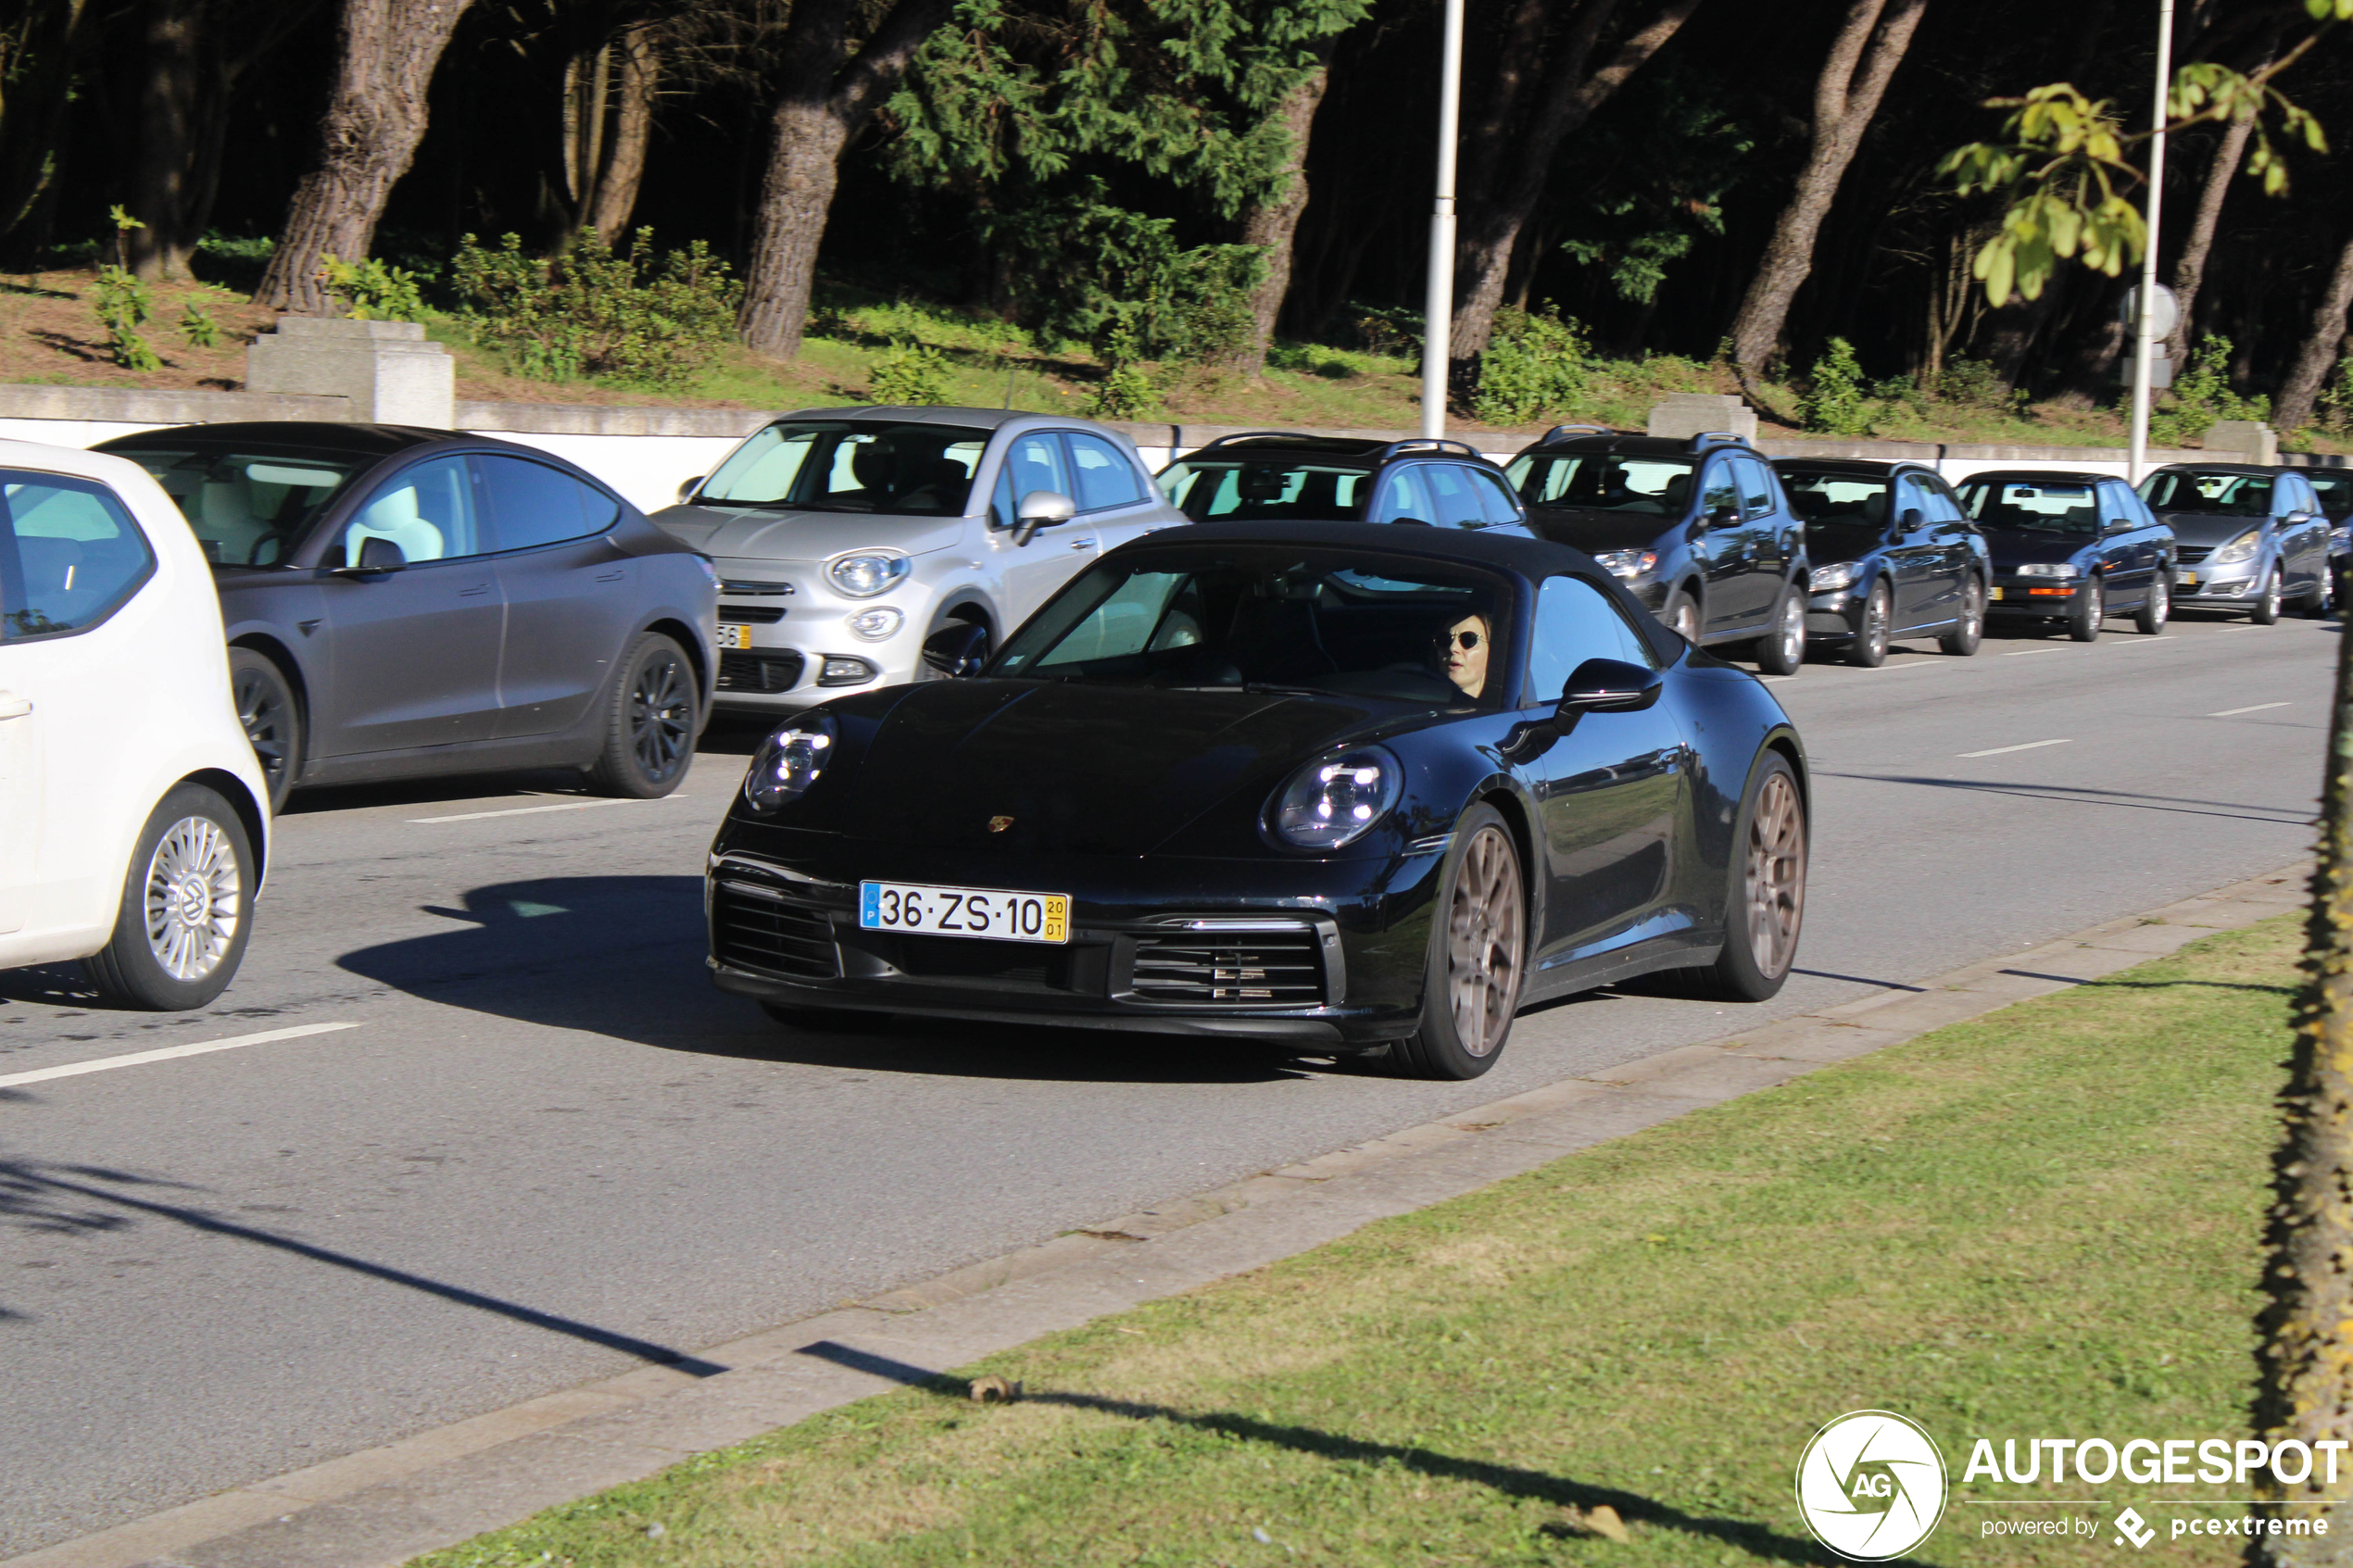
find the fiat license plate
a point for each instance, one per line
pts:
(736, 637)
(965, 911)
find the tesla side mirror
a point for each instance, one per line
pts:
(377, 556)
(1608, 685)
(957, 649)
(1042, 508)
(687, 488)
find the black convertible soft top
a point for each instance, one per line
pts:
(1533, 560)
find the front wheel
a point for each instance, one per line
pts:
(649, 726)
(1782, 651)
(187, 908)
(1969, 632)
(1869, 646)
(272, 723)
(1477, 955)
(2266, 610)
(2157, 609)
(1682, 616)
(2091, 608)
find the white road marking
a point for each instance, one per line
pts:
(169, 1053)
(533, 811)
(2023, 652)
(2258, 708)
(2150, 642)
(1998, 750)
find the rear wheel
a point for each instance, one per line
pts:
(2157, 609)
(649, 728)
(2266, 610)
(2323, 598)
(2089, 609)
(272, 723)
(186, 910)
(1868, 647)
(1766, 906)
(1783, 650)
(1970, 630)
(1477, 955)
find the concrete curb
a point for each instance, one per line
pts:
(380, 1507)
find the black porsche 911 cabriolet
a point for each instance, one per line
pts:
(1360, 788)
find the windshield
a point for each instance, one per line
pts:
(247, 509)
(2336, 493)
(2225, 495)
(824, 465)
(1319, 622)
(2018, 507)
(1603, 482)
(1244, 491)
(1838, 507)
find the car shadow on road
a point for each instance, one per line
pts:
(622, 957)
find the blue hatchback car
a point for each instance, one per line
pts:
(2071, 548)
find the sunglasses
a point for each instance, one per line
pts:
(1463, 640)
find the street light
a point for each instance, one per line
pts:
(2145, 324)
(1437, 307)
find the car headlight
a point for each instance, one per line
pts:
(873, 625)
(2239, 549)
(788, 761)
(2341, 538)
(1335, 800)
(2050, 568)
(1628, 565)
(1829, 579)
(862, 577)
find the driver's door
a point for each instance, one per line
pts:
(1028, 574)
(1727, 545)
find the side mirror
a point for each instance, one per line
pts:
(1723, 517)
(1042, 508)
(1608, 685)
(377, 556)
(959, 648)
(2118, 525)
(686, 486)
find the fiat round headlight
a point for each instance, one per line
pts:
(875, 625)
(788, 761)
(1336, 800)
(862, 577)
(1829, 579)
(2239, 549)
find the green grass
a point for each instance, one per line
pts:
(2043, 1222)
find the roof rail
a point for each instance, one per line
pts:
(1706, 437)
(1255, 436)
(1572, 430)
(1441, 443)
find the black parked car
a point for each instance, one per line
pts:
(404, 602)
(1356, 788)
(2246, 538)
(1270, 476)
(2071, 548)
(1898, 557)
(1697, 530)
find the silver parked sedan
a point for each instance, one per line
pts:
(2251, 539)
(847, 539)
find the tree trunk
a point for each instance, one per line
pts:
(1514, 182)
(170, 90)
(830, 90)
(2190, 272)
(2307, 1351)
(40, 64)
(2319, 356)
(374, 119)
(639, 70)
(1847, 96)
(1273, 224)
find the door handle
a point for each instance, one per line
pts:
(13, 706)
(613, 576)
(1082, 544)
(478, 588)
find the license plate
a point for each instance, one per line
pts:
(736, 637)
(1994, 594)
(2187, 580)
(988, 913)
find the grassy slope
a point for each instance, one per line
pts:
(2044, 1222)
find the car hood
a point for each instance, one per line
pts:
(765, 534)
(1078, 769)
(1594, 532)
(2206, 528)
(2010, 549)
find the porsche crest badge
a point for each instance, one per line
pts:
(999, 825)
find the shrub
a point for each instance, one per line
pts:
(2201, 395)
(1127, 391)
(1834, 402)
(124, 305)
(232, 262)
(372, 290)
(909, 374)
(633, 316)
(1089, 270)
(196, 324)
(1535, 365)
(2335, 407)
(1975, 383)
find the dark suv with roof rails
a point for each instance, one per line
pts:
(1697, 529)
(1275, 476)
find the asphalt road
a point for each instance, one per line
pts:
(548, 1149)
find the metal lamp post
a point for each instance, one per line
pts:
(1437, 311)
(2145, 331)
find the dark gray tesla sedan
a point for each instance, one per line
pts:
(403, 602)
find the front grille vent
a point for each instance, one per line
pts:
(750, 615)
(764, 672)
(2190, 555)
(745, 589)
(752, 927)
(1239, 968)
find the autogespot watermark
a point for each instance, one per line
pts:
(1872, 1485)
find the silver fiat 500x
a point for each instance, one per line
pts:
(848, 538)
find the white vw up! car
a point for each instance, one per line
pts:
(846, 539)
(132, 832)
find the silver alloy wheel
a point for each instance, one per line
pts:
(1973, 611)
(2095, 603)
(2271, 595)
(195, 898)
(1877, 613)
(1776, 877)
(661, 717)
(1686, 623)
(2160, 601)
(1485, 941)
(1792, 632)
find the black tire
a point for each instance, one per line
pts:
(649, 726)
(1680, 616)
(1968, 633)
(2322, 600)
(1867, 647)
(1783, 650)
(1478, 961)
(2083, 617)
(2266, 610)
(1761, 928)
(186, 910)
(2157, 607)
(826, 1021)
(271, 717)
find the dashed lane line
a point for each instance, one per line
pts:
(533, 810)
(2001, 750)
(2258, 708)
(168, 1053)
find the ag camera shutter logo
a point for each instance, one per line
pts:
(1871, 1486)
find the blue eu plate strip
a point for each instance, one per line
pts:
(869, 903)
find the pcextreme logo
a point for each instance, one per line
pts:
(1871, 1486)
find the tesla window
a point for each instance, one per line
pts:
(823, 466)
(1601, 482)
(69, 554)
(247, 509)
(2019, 506)
(1319, 622)
(1263, 490)
(2227, 494)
